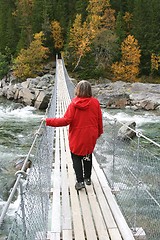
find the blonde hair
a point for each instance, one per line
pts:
(83, 89)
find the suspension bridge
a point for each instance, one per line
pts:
(120, 203)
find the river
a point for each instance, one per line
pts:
(18, 125)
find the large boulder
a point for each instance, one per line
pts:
(127, 131)
(26, 96)
(42, 100)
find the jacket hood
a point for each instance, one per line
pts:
(81, 103)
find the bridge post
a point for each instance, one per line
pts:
(114, 189)
(138, 232)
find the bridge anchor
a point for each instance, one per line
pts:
(139, 233)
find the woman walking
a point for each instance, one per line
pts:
(84, 118)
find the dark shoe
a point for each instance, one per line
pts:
(79, 185)
(87, 181)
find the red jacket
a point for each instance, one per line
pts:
(84, 118)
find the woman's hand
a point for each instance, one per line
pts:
(43, 119)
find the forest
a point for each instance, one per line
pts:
(115, 39)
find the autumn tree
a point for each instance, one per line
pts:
(30, 60)
(80, 38)
(128, 68)
(100, 19)
(155, 64)
(57, 35)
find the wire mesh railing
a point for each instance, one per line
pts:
(133, 172)
(31, 217)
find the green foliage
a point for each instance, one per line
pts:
(88, 68)
(105, 48)
(4, 65)
(120, 28)
(8, 26)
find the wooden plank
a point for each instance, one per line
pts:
(117, 214)
(87, 217)
(106, 212)
(76, 210)
(115, 234)
(54, 236)
(56, 208)
(67, 235)
(109, 220)
(66, 209)
(97, 214)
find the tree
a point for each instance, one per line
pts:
(80, 38)
(128, 68)
(105, 48)
(8, 28)
(4, 65)
(100, 18)
(102, 21)
(24, 13)
(57, 35)
(30, 61)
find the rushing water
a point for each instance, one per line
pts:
(18, 125)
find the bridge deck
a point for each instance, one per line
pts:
(91, 213)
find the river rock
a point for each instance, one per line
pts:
(42, 100)
(126, 131)
(129, 95)
(26, 97)
(19, 163)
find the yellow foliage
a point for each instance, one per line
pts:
(128, 68)
(30, 60)
(95, 7)
(80, 37)
(155, 62)
(108, 19)
(100, 14)
(57, 35)
(127, 17)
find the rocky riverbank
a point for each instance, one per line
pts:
(34, 92)
(37, 92)
(122, 95)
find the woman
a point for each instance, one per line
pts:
(84, 118)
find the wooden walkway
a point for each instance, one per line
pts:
(91, 213)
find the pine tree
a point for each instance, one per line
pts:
(4, 65)
(24, 11)
(141, 25)
(8, 28)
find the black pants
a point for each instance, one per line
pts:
(82, 166)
